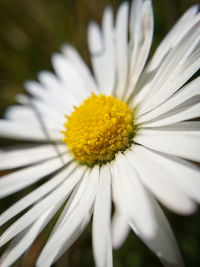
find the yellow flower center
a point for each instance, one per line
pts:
(99, 128)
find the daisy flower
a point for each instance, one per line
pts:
(125, 135)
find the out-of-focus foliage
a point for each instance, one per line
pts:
(30, 31)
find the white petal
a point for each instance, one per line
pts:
(130, 190)
(101, 219)
(160, 183)
(24, 240)
(72, 54)
(162, 241)
(141, 44)
(13, 182)
(74, 236)
(40, 92)
(120, 228)
(190, 111)
(36, 194)
(72, 202)
(181, 28)
(101, 46)
(95, 41)
(68, 74)
(121, 43)
(25, 114)
(177, 67)
(190, 91)
(57, 89)
(157, 233)
(45, 109)
(35, 117)
(21, 131)
(59, 194)
(185, 145)
(183, 172)
(25, 155)
(73, 222)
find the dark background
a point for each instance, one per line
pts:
(30, 31)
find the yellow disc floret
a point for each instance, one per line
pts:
(98, 128)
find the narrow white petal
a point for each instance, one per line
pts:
(22, 156)
(187, 112)
(131, 190)
(121, 43)
(36, 194)
(68, 74)
(141, 46)
(101, 219)
(120, 228)
(135, 21)
(26, 115)
(101, 45)
(21, 131)
(185, 145)
(13, 182)
(190, 91)
(48, 96)
(163, 242)
(181, 28)
(74, 236)
(160, 183)
(73, 222)
(57, 89)
(178, 66)
(45, 109)
(24, 240)
(156, 234)
(60, 193)
(72, 203)
(95, 41)
(184, 128)
(72, 54)
(144, 208)
(34, 117)
(183, 172)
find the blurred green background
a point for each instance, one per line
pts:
(30, 31)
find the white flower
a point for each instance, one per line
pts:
(111, 154)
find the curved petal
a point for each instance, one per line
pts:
(178, 66)
(22, 131)
(181, 28)
(72, 223)
(141, 42)
(177, 143)
(72, 54)
(61, 192)
(180, 98)
(37, 194)
(13, 182)
(101, 220)
(161, 184)
(101, 45)
(121, 44)
(183, 172)
(28, 155)
(25, 239)
(120, 228)
(156, 234)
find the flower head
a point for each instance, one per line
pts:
(125, 135)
